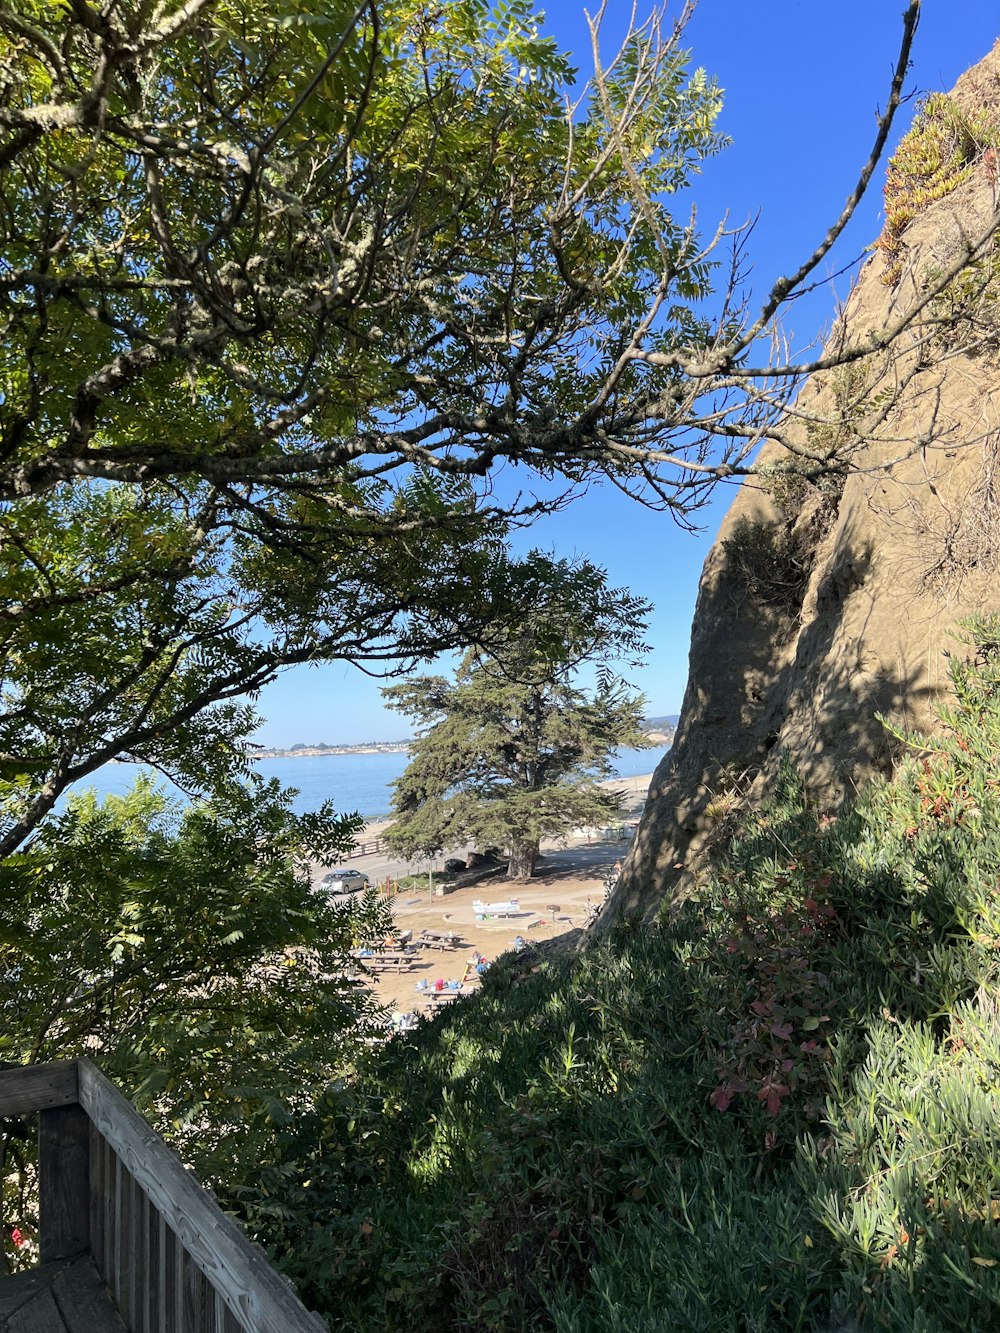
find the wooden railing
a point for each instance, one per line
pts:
(109, 1187)
(371, 848)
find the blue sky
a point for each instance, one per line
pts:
(803, 82)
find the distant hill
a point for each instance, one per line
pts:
(660, 729)
(667, 722)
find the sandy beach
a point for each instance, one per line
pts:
(569, 879)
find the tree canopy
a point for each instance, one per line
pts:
(280, 284)
(513, 749)
(133, 628)
(280, 246)
(262, 244)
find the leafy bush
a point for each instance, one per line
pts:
(767, 563)
(185, 952)
(967, 311)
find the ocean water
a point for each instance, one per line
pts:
(360, 782)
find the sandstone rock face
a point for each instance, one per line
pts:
(823, 603)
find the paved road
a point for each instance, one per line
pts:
(379, 866)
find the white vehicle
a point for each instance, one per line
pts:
(344, 881)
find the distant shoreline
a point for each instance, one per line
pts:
(318, 751)
(653, 737)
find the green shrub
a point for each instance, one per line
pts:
(967, 311)
(767, 563)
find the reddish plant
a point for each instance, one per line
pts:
(777, 1046)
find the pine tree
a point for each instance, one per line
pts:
(513, 749)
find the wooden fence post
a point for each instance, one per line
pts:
(63, 1183)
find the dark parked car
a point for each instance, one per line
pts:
(488, 858)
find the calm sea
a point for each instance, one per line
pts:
(351, 781)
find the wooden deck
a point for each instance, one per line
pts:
(66, 1297)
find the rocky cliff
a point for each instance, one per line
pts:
(831, 596)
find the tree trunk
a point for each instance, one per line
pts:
(521, 861)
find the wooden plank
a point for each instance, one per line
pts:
(151, 1310)
(28, 1088)
(63, 1183)
(17, 1288)
(254, 1292)
(199, 1300)
(106, 1266)
(137, 1275)
(230, 1324)
(171, 1262)
(39, 1315)
(113, 1276)
(126, 1247)
(98, 1214)
(140, 1290)
(84, 1301)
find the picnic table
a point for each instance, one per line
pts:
(385, 960)
(440, 939)
(433, 998)
(388, 962)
